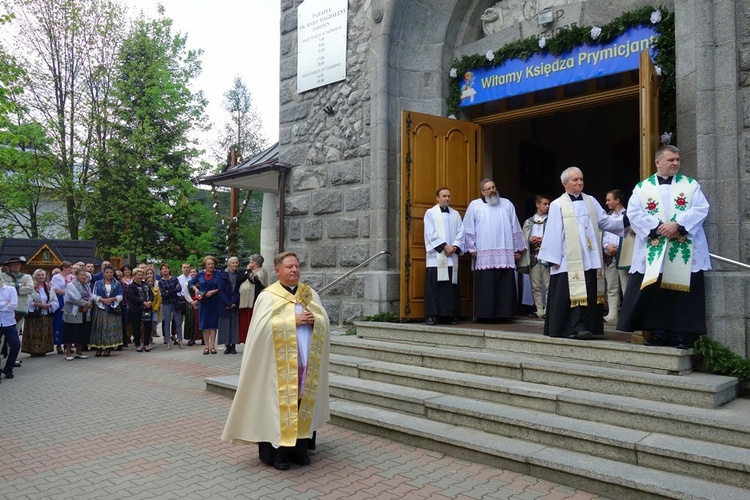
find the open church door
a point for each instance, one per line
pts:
(649, 102)
(435, 152)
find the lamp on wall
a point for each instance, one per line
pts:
(545, 17)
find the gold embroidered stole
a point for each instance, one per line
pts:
(678, 251)
(576, 273)
(296, 415)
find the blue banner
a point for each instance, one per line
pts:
(544, 71)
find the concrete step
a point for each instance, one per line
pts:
(522, 338)
(710, 461)
(700, 390)
(599, 475)
(729, 424)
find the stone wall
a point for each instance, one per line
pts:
(328, 205)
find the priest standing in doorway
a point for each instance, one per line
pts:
(572, 249)
(443, 239)
(494, 237)
(666, 292)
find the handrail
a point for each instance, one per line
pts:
(730, 261)
(329, 285)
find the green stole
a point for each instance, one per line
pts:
(678, 251)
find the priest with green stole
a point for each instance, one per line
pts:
(282, 395)
(666, 291)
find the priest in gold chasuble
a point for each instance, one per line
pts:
(282, 395)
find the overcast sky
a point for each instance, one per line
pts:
(238, 37)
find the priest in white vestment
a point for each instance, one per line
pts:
(443, 240)
(495, 239)
(282, 395)
(666, 290)
(572, 249)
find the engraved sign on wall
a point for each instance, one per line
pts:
(321, 43)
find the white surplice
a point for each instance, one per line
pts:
(494, 233)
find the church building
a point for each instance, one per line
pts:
(383, 101)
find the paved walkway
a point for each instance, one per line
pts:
(140, 425)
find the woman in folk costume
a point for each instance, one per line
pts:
(666, 291)
(38, 335)
(572, 249)
(282, 394)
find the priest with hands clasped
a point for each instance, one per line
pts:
(282, 394)
(443, 239)
(572, 249)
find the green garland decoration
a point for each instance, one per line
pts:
(569, 38)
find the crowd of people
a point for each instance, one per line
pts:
(77, 310)
(577, 257)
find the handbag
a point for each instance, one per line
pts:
(181, 304)
(115, 311)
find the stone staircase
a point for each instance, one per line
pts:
(620, 420)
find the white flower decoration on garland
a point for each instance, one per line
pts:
(595, 32)
(452, 117)
(655, 16)
(490, 55)
(666, 138)
(542, 42)
(454, 73)
(658, 70)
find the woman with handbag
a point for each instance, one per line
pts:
(38, 335)
(106, 330)
(206, 286)
(171, 302)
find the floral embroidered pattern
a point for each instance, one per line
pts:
(654, 248)
(680, 203)
(652, 206)
(681, 245)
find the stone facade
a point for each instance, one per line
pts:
(343, 196)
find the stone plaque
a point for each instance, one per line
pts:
(321, 43)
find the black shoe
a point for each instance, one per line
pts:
(582, 335)
(119, 348)
(453, 321)
(430, 320)
(228, 350)
(191, 342)
(8, 375)
(234, 349)
(533, 315)
(280, 463)
(682, 341)
(17, 364)
(301, 459)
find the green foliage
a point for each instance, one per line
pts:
(569, 38)
(352, 330)
(384, 317)
(717, 358)
(141, 202)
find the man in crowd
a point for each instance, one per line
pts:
(666, 291)
(616, 279)
(533, 233)
(282, 394)
(8, 330)
(572, 249)
(443, 239)
(24, 285)
(494, 237)
(96, 277)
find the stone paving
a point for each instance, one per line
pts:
(141, 425)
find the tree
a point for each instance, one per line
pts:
(25, 159)
(243, 130)
(241, 133)
(142, 197)
(60, 45)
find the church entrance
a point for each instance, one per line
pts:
(607, 127)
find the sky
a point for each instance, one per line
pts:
(238, 37)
